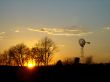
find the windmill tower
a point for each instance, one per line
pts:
(82, 43)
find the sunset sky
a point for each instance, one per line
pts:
(65, 21)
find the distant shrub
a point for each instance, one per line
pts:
(89, 60)
(59, 63)
(76, 60)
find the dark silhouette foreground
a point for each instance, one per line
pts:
(67, 73)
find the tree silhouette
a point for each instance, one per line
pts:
(18, 53)
(37, 54)
(49, 49)
(4, 58)
(44, 50)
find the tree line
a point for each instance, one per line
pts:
(41, 53)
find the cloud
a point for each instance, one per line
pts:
(106, 28)
(46, 30)
(17, 31)
(39, 30)
(1, 35)
(62, 31)
(60, 45)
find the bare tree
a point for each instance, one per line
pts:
(4, 58)
(1, 59)
(18, 53)
(37, 54)
(44, 50)
(49, 49)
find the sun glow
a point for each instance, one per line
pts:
(30, 63)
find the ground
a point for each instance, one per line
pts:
(57, 73)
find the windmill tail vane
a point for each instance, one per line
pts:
(88, 42)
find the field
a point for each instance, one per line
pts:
(57, 73)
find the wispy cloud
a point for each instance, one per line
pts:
(60, 45)
(17, 31)
(47, 30)
(106, 28)
(61, 31)
(1, 35)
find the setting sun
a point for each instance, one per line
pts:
(30, 63)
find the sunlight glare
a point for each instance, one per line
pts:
(30, 63)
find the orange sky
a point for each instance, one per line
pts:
(65, 21)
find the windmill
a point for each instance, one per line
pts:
(82, 43)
